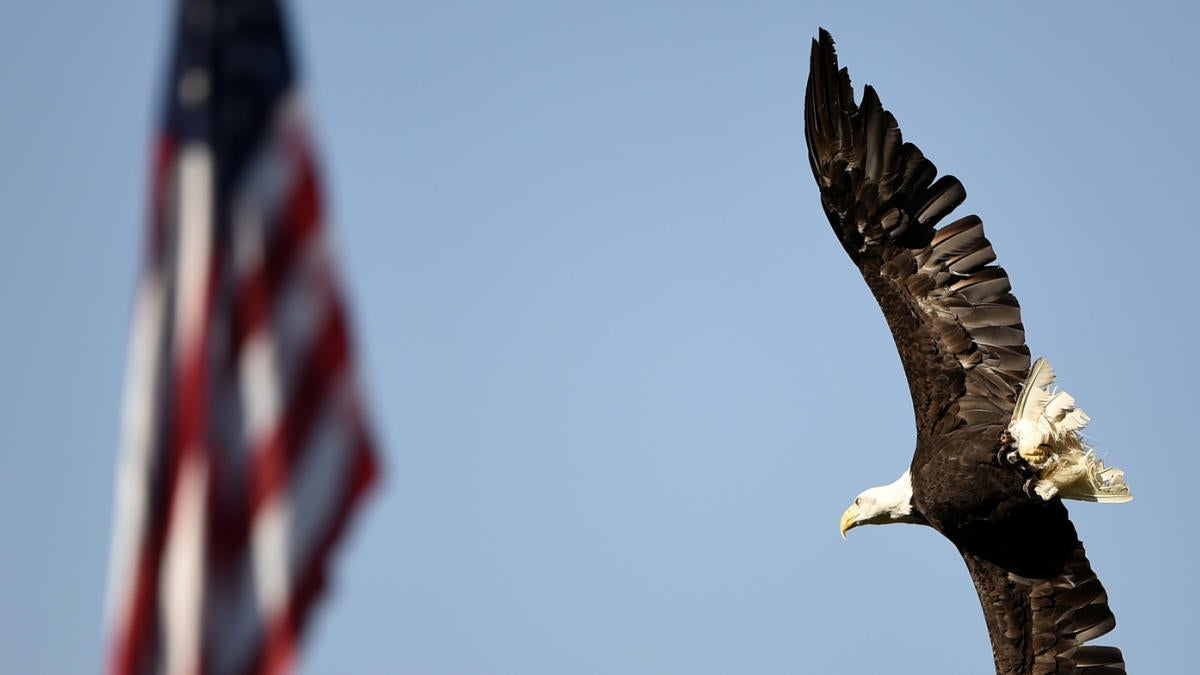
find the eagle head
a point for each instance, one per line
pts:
(881, 505)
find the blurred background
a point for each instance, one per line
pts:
(624, 378)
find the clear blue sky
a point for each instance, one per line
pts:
(625, 377)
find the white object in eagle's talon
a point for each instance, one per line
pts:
(1046, 425)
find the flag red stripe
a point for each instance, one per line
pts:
(129, 653)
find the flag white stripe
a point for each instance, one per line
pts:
(183, 577)
(139, 431)
(194, 252)
(182, 591)
(270, 541)
(260, 383)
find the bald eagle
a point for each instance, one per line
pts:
(998, 449)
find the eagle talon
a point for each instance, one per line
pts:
(1008, 455)
(1028, 488)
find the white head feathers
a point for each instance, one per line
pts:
(891, 503)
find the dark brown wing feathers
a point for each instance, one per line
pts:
(950, 310)
(1045, 607)
(958, 331)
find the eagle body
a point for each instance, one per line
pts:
(997, 449)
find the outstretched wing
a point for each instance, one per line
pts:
(956, 325)
(1040, 598)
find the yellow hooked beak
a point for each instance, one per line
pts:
(849, 518)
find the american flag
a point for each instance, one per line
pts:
(245, 448)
